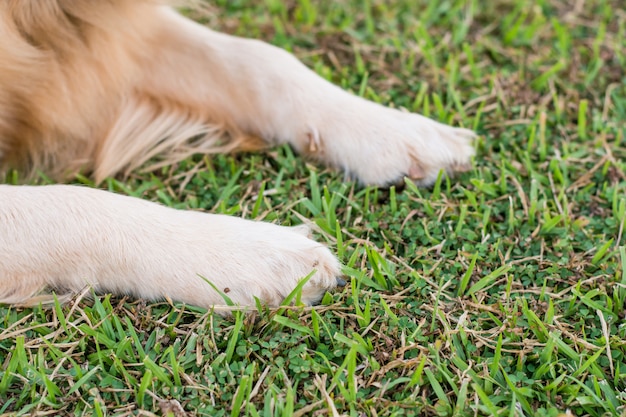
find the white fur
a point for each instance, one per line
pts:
(67, 237)
(266, 92)
(174, 87)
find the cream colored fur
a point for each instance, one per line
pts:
(67, 238)
(106, 87)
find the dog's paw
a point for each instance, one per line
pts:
(380, 146)
(210, 260)
(67, 238)
(271, 261)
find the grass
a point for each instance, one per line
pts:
(501, 292)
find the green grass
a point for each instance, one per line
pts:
(501, 292)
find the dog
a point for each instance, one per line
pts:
(106, 87)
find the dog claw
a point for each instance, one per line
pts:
(463, 168)
(416, 172)
(314, 140)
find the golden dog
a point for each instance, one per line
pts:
(106, 86)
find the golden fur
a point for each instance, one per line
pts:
(105, 86)
(68, 79)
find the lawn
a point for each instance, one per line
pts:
(499, 292)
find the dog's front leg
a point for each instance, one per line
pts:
(65, 238)
(266, 92)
